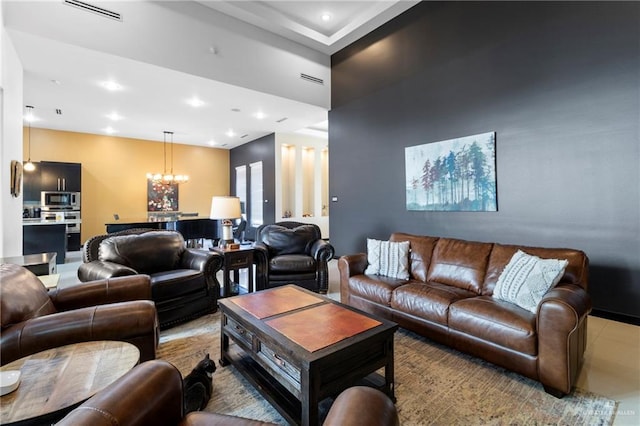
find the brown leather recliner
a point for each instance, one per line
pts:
(159, 385)
(34, 319)
(292, 253)
(183, 281)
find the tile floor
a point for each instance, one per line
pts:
(612, 359)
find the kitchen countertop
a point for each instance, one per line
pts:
(38, 221)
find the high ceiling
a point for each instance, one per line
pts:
(240, 60)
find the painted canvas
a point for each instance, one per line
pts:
(162, 197)
(453, 175)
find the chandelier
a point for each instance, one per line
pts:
(165, 177)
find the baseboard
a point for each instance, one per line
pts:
(616, 317)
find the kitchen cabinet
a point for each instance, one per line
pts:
(45, 238)
(31, 185)
(60, 176)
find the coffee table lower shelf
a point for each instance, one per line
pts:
(278, 396)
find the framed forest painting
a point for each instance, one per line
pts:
(453, 175)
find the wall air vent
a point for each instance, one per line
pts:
(311, 78)
(94, 9)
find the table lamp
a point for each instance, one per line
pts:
(225, 209)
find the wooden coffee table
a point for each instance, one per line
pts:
(57, 380)
(298, 348)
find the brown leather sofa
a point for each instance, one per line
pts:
(152, 394)
(448, 298)
(183, 281)
(292, 253)
(34, 319)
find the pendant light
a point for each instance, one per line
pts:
(165, 177)
(29, 166)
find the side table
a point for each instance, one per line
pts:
(234, 261)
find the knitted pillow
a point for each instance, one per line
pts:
(526, 279)
(388, 258)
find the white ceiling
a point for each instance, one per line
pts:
(166, 53)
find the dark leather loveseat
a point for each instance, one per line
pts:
(152, 394)
(34, 319)
(448, 298)
(183, 281)
(292, 253)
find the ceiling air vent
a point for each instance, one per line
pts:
(243, 136)
(94, 9)
(281, 120)
(58, 111)
(311, 78)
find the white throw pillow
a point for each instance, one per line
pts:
(388, 258)
(526, 279)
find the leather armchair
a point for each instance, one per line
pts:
(292, 253)
(183, 280)
(34, 319)
(151, 394)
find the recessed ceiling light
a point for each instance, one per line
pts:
(195, 102)
(326, 16)
(110, 130)
(114, 116)
(212, 142)
(111, 85)
(230, 133)
(260, 115)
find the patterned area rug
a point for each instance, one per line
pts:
(435, 385)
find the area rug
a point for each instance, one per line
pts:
(435, 385)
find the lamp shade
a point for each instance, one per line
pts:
(225, 208)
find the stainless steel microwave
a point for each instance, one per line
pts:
(59, 200)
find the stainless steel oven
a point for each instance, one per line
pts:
(59, 200)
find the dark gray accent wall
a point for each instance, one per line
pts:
(262, 149)
(558, 82)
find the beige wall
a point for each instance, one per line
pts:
(114, 173)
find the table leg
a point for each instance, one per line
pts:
(389, 372)
(224, 343)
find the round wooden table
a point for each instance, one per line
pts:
(57, 380)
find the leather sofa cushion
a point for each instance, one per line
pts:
(282, 240)
(501, 254)
(23, 295)
(175, 283)
(495, 321)
(146, 253)
(421, 249)
(459, 263)
(428, 300)
(292, 263)
(376, 288)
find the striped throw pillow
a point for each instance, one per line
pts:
(388, 258)
(526, 279)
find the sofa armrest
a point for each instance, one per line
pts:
(361, 405)
(149, 394)
(350, 265)
(202, 261)
(100, 270)
(134, 322)
(101, 292)
(322, 251)
(562, 328)
(209, 263)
